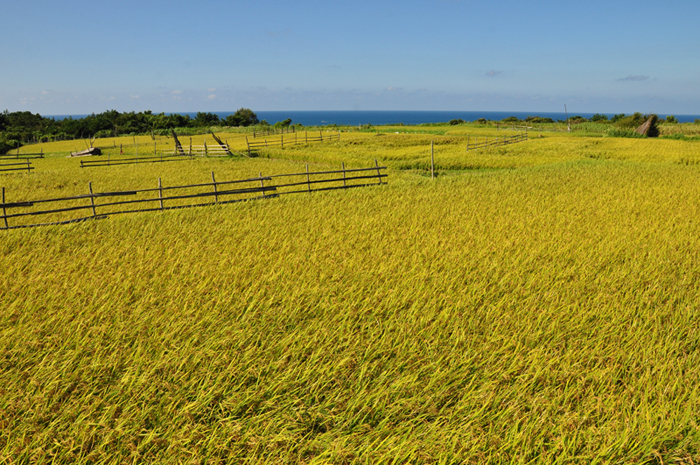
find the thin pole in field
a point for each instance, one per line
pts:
(4, 211)
(308, 179)
(379, 174)
(262, 184)
(160, 193)
(432, 162)
(344, 182)
(92, 200)
(216, 195)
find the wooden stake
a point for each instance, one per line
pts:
(4, 211)
(432, 161)
(344, 182)
(216, 195)
(92, 200)
(160, 193)
(308, 179)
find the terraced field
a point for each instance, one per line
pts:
(536, 303)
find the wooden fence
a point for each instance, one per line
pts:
(109, 161)
(494, 141)
(305, 139)
(100, 205)
(22, 155)
(213, 150)
(272, 131)
(20, 166)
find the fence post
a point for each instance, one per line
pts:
(155, 150)
(248, 143)
(308, 178)
(379, 174)
(92, 200)
(262, 184)
(282, 139)
(160, 193)
(468, 137)
(216, 194)
(344, 182)
(29, 166)
(432, 163)
(4, 211)
(206, 152)
(321, 134)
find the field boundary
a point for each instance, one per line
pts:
(495, 141)
(26, 165)
(255, 145)
(132, 160)
(18, 155)
(222, 192)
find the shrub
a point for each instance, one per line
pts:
(598, 117)
(629, 133)
(671, 119)
(617, 118)
(674, 136)
(455, 122)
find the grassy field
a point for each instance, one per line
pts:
(536, 303)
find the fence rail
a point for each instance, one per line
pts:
(495, 141)
(296, 139)
(109, 161)
(64, 210)
(9, 155)
(25, 165)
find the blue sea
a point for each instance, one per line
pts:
(354, 118)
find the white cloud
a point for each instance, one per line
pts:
(211, 96)
(634, 78)
(176, 92)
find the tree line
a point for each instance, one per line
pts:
(22, 127)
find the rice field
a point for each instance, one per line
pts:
(535, 303)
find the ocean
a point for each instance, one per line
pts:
(355, 118)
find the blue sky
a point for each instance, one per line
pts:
(75, 57)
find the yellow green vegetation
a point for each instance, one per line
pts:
(538, 302)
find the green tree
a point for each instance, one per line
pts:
(205, 119)
(242, 117)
